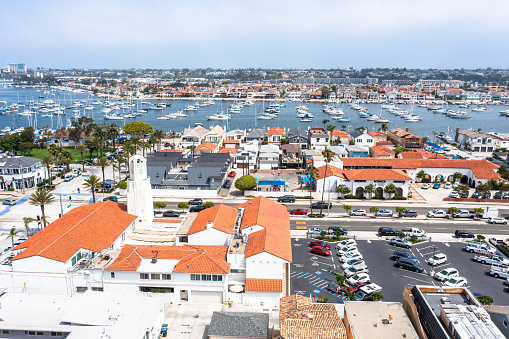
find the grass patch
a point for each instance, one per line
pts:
(41, 153)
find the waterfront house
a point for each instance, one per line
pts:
(404, 138)
(256, 135)
(193, 136)
(318, 138)
(362, 138)
(275, 134)
(381, 152)
(268, 156)
(299, 137)
(21, 171)
(292, 156)
(355, 151)
(475, 140)
(341, 136)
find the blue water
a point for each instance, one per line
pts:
(487, 121)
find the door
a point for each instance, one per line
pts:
(207, 296)
(183, 295)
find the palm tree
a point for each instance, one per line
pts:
(159, 135)
(330, 129)
(26, 221)
(97, 144)
(47, 160)
(343, 127)
(327, 155)
(312, 172)
(152, 142)
(103, 162)
(92, 183)
(136, 143)
(384, 127)
(113, 132)
(325, 122)
(12, 234)
(82, 149)
(172, 135)
(41, 198)
(67, 157)
(434, 134)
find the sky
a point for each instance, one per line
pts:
(260, 34)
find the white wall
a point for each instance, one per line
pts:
(264, 266)
(209, 237)
(267, 299)
(316, 195)
(38, 264)
(156, 193)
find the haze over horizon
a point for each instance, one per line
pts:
(259, 34)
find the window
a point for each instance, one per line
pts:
(200, 175)
(166, 276)
(144, 276)
(98, 289)
(155, 276)
(5, 331)
(505, 324)
(206, 277)
(112, 274)
(57, 334)
(81, 289)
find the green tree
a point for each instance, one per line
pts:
(483, 189)
(384, 127)
(373, 210)
(28, 134)
(341, 279)
(312, 173)
(10, 142)
(434, 134)
(398, 150)
(47, 161)
(113, 132)
(400, 210)
(284, 141)
(425, 139)
(140, 129)
(376, 296)
(26, 221)
(103, 162)
(325, 92)
(343, 190)
(347, 208)
(370, 189)
(457, 176)
(327, 156)
(159, 204)
(208, 204)
(452, 210)
(462, 189)
(325, 122)
(391, 189)
(486, 300)
(245, 183)
(41, 198)
(12, 234)
(421, 175)
(183, 205)
(159, 135)
(92, 182)
(82, 148)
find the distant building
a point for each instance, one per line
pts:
(475, 140)
(404, 138)
(318, 138)
(299, 137)
(239, 325)
(381, 152)
(21, 171)
(16, 68)
(363, 139)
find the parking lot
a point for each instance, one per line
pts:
(308, 274)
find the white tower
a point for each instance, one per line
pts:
(139, 191)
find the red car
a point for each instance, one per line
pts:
(299, 211)
(231, 174)
(320, 250)
(319, 243)
(355, 287)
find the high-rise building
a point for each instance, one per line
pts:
(16, 68)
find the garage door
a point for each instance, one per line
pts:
(207, 296)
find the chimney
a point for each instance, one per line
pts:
(407, 129)
(479, 130)
(209, 225)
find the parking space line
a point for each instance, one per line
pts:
(424, 281)
(316, 281)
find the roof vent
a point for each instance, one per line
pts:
(154, 260)
(114, 316)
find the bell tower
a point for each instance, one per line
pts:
(139, 191)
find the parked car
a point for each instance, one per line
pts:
(354, 288)
(315, 230)
(197, 208)
(425, 186)
(319, 243)
(409, 264)
(69, 177)
(454, 194)
(347, 249)
(464, 195)
(111, 198)
(408, 213)
(341, 230)
(437, 259)
(455, 282)
(463, 234)
(195, 202)
(414, 231)
(347, 242)
(299, 211)
(492, 260)
(438, 214)
(366, 292)
(110, 182)
(447, 185)
(400, 254)
(358, 211)
(321, 204)
(400, 242)
(387, 231)
(361, 277)
(286, 198)
(103, 184)
(446, 273)
(356, 269)
(350, 263)
(171, 214)
(462, 214)
(231, 174)
(506, 195)
(321, 250)
(476, 195)
(9, 201)
(482, 248)
(494, 220)
(384, 213)
(497, 195)
(436, 186)
(227, 184)
(350, 256)
(333, 287)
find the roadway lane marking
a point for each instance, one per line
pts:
(301, 227)
(300, 222)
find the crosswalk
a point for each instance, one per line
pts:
(314, 281)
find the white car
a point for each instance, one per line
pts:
(361, 277)
(437, 214)
(350, 256)
(358, 211)
(352, 262)
(354, 251)
(455, 282)
(456, 184)
(348, 242)
(356, 269)
(454, 194)
(437, 259)
(494, 220)
(447, 185)
(446, 273)
(315, 230)
(346, 249)
(425, 186)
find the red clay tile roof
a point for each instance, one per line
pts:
(276, 131)
(222, 218)
(169, 150)
(207, 146)
(384, 143)
(93, 227)
(226, 150)
(191, 258)
(340, 134)
(377, 134)
(274, 238)
(382, 150)
(264, 285)
(482, 169)
(362, 174)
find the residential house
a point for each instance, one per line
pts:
(268, 156)
(362, 138)
(340, 151)
(475, 140)
(238, 325)
(292, 156)
(215, 135)
(341, 136)
(355, 151)
(404, 138)
(275, 134)
(419, 153)
(193, 136)
(299, 137)
(21, 172)
(206, 147)
(318, 138)
(256, 135)
(378, 136)
(246, 156)
(381, 152)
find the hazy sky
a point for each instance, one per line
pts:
(262, 33)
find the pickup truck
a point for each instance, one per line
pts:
(463, 214)
(492, 260)
(438, 214)
(499, 272)
(414, 231)
(480, 248)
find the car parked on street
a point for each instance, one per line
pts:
(494, 220)
(321, 250)
(319, 243)
(455, 282)
(231, 174)
(286, 198)
(195, 202)
(358, 212)
(337, 230)
(463, 234)
(111, 198)
(408, 213)
(9, 201)
(315, 230)
(400, 242)
(384, 213)
(425, 186)
(299, 211)
(437, 259)
(171, 214)
(321, 204)
(227, 184)
(68, 177)
(438, 214)
(387, 231)
(409, 264)
(462, 214)
(446, 273)
(414, 231)
(198, 208)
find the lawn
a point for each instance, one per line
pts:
(40, 153)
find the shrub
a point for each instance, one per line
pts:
(486, 300)
(208, 204)
(183, 205)
(341, 279)
(122, 185)
(316, 215)
(481, 237)
(10, 189)
(399, 198)
(400, 234)
(379, 198)
(245, 183)
(159, 204)
(321, 300)
(350, 196)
